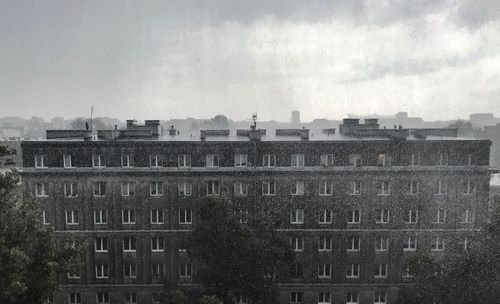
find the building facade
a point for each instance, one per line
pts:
(353, 208)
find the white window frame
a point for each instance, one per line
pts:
(269, 187)
(438, 244)
(129, 271)
(156, 216)
(298, 187)
(326, 160)
(157, 244)
(128, 189)
(326, 216)
(355, 217)
(75, 275)
(385, 188)
(128, 216)
(156, 160)
(325, 271)
(354, 244)
(297, 160)
(297, 243)
(157, 269)
(101, 244)
(352, 271)
(129, 244)
(355, 160)
(410, 244)
(383, 216)
(102, 271)
(185, 270)
(269, 160)
(100, 216)
(354, 188)
(383, 160)
(72, 217)
(212, 160)
(40, 161)
(70, 189)
(471, 160)
(213, 187)
(415, 160)
(240, 188)
(102, 298)
(125, 160)
(156, 188)
(184, 161)
(74, 298)
(381, 271)
(184, 189)
(443, 159)
(414, 186)
(469, 188)
(352, 297)
(97, 161)
(297, 216)
(240, 160)
(325, 188)
(45, 220)
(381, 244)
(468, 216)
(296, 297)
(100, 187)
(41, 189)
(67, 161)
(131, 298)
(325, 243)
(442, 187)
(380, 297)
(411, 216)
(324, 297)
(185, 216)
(440, 216)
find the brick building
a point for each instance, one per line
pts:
(354, 205)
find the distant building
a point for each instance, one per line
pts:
(483, 119)
(295, 117)
(355, 204)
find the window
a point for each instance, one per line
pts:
(355, 160)
(325, 188)
(297, 160)
(185, 270)
(441, 187)
(129, 271)
(157, 244)
(101, 271)
(184, 160)
(102, 298)
(353, 244)
(70, 189)
(298, 188)
(325, 271)
(268, 188)
(437, 244)
(413, 187)
(297, 244)
(240, 160)
(40, 161)
(297, 271)
(381, 244)
(468, 216)
(415, 159)
(297, 216)
(128, 216)
(352, 271)
(383, 216)
(351, 298)
(354, 188)
(324, 297)
(212, 160)
(240, 188)
(406, 273)
(383, 160)
(213, 187)
(45, 219)
(385, 188)
(326, 160)
(471, 160)
(156, 216)
(325, 243)
(156, 189)
(411, 216)
(381, 271)
(440, 216)
(354, 217)
(410, 244)
(128, 189)
(185, 216)
(184, 189)
(74, 298)
(101, 244)
(296, 297)
(99, 188)
(129, 244)
(466, 243)
(155, 160)
(100, 216)
(157, 269)
(469, 188)
(71, 217)
(155, 298)
(74, 274)
(442, 159)
(131, 298)
(325, 216)
(380, 297)
(67, 161)
(126, 161)
(268, 160)
(41, 189)
(98, 161)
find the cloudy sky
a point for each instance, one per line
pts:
(174, 59)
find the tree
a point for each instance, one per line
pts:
(210, 300)
(31, 261)
(235, 259)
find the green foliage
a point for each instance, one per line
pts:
(210, 300)
(173, 296)
(235, 259)
(31, 261)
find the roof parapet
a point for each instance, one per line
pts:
(206, 133)
(302, 133)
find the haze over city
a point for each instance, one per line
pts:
(438, 60)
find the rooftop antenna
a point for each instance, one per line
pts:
(94, 133)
